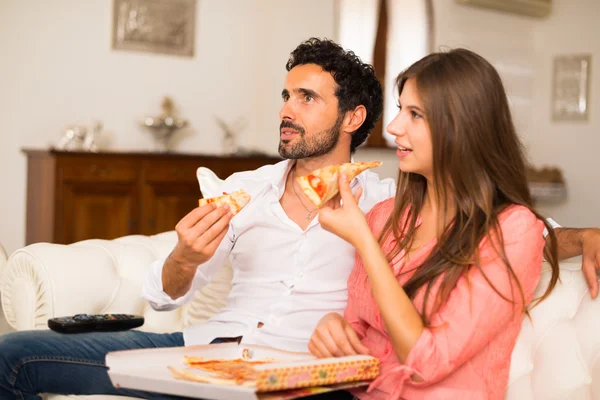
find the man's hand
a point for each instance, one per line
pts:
(591, 259)
(334, 337)
(198, 236)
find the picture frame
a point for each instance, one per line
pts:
(154, 26)
(571, 87)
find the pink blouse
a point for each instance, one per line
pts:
(466, 353)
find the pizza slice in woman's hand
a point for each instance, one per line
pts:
(321, 185)
(236, 200)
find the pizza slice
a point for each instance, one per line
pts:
(236, 370)
(321, 185)
(190, 376)
(236, 200)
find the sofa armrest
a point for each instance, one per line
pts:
(3, 259)
(43, 280)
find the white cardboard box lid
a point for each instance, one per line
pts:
(147, 370)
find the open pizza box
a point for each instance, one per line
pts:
(289, 376)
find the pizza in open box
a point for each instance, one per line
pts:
(266, 375)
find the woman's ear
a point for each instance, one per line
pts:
(354, 119)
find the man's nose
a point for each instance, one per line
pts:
(287, 111)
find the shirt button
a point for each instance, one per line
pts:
(300, 275)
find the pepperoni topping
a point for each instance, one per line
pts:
(317, 185)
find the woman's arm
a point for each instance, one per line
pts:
(397, 309)
(402, 320)
(474, 313)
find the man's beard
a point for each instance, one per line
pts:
(317, 145)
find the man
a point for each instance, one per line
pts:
(289, 272)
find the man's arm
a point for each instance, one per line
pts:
(199, 234)
(581, 242)
(177, 277)
(153, 287)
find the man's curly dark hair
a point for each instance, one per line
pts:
(356, 80)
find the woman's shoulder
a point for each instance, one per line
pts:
(517, 215)
(517, 221)
(379, 214)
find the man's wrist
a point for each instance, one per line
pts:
(587, 232)
(176, 259)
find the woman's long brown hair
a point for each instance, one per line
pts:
(478, 166)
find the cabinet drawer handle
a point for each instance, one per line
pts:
(176, 172)
(100, 171)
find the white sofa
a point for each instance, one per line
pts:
(44, 280)
(556, 356)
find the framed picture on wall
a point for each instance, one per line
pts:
(156, 26)
(571, 87)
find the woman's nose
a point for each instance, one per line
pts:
(396, 126)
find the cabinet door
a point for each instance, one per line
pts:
(165, 203)
(170, 190)
(99, 210)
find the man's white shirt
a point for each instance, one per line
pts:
(284, 278)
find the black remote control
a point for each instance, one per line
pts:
(95, 323)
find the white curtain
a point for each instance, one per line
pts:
(357, 26)
(408, 41)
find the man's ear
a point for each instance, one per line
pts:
(354, 119)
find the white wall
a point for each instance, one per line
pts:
(57, 68)
(521, 48)
(487, 33)
(574, 147)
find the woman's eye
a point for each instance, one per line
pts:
(415, 115)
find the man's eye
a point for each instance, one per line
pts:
(308, 97)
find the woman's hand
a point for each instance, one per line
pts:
(347, 220)
(334, 337)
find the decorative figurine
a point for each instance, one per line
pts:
(230, 132)
(78, 138)
(164, 126)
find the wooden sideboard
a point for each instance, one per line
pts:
(73, 196)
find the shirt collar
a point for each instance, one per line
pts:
(279, 173)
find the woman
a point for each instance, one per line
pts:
(445, 271)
